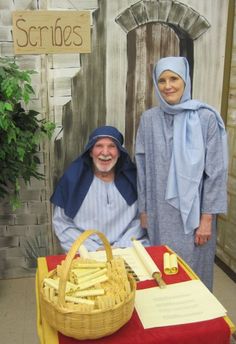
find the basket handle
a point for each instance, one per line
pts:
(70, 256)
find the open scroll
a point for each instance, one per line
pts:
(148, 263)
(137, 259)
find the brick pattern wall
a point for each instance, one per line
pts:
(226, 244)
(27, 233)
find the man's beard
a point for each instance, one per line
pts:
(107, 168)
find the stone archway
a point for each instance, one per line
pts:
(176, 14)
(154, 29)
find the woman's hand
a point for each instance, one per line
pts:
(144, 220)
(203, 233)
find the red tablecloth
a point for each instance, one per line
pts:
(214, 331)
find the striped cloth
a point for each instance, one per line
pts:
(103, 209)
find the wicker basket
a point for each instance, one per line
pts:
(85, 325)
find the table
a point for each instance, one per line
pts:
(215, 331)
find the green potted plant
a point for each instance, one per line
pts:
(20, 130)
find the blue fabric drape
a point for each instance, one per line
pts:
(188, 155)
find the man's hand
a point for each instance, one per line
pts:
(203, 233)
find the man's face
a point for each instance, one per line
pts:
(105, 155)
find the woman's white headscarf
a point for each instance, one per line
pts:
(188, 156)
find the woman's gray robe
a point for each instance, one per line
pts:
(153, 155)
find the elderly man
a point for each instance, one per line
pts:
(98, 191)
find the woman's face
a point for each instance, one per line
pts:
(171, 87)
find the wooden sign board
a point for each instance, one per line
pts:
(51, 32)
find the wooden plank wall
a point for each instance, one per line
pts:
(80, 92)
(145, 45)
(226, 241)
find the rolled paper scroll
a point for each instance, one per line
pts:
(148, 263)
(83, 252)
(170, 263)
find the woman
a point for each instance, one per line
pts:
(181, 156)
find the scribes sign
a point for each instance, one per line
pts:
(51, 32)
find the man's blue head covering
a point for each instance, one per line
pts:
(110, 132)
(105, 131)
(75, 182)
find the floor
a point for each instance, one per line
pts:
(18, 311)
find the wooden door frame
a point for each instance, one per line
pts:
(228, 60)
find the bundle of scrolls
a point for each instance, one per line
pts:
(86, 299)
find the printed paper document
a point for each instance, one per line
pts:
(180, 303)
